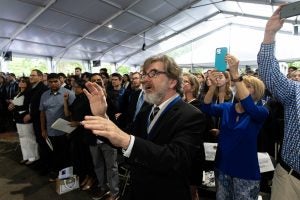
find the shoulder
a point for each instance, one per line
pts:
(185, 109)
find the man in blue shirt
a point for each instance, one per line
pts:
(52, 108)
(286, 180)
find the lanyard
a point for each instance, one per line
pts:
(153, 123)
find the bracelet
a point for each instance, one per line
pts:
(239, 79)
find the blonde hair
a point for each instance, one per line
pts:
(257, 84)
(194, 83)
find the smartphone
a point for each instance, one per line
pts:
(220, 62)
(290, 10)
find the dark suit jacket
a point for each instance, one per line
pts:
(128, 109)
(161, 166)
(35, 98)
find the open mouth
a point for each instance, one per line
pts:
(147, 88)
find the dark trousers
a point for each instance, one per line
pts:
(58, 157)
(44, 150)
(81, 158)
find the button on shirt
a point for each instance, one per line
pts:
(52, 103)
(277, 83)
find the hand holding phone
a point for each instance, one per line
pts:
(290, 10)
(220, 62)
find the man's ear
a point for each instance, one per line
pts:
(173, 83)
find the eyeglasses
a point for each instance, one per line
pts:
(22, 81)
(152, 73)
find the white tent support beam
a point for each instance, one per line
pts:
(198, 38)
(172, 35)
(61, 53)
(147, 29)
(30, 20)
(253, 16)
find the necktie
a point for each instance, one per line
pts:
(139, 104)
(154, 112)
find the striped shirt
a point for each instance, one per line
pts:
(288, 93)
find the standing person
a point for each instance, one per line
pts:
(237, 170)
(3, 105)
(104, 157)
(190, 90)
(132, 103)
(80, 154)
(126, 82)
(35, 93)
(52, 108)
(20, 107)
(11, 91)
(286, 180)
(165, 138)
(78, 72)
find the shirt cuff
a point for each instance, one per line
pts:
(127, 152)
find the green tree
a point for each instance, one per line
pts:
(23, 66)
(68, 67)
(123, 69)
(294, 64)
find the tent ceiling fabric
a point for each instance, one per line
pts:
(79, 29)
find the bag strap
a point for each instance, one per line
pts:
(67, 185)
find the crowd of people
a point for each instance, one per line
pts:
(156, 121)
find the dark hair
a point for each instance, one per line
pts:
(39, 72)
(80, 83)
(103, 70)
(104, 74)
(86, 74)
(53, 75)
(117, 75)
(12, 74)
(293, 67)
(62, 74)
(27, 81)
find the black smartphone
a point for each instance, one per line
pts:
(290, 10)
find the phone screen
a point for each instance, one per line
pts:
(220, 63)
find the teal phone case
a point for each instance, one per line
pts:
(220, 63)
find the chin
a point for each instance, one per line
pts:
(152, 98)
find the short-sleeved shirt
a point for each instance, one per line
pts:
(52, 103)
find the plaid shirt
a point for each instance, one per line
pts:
(288, 93)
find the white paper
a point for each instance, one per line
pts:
(18, 101)
(265, 162)
(210, 151)
(63, 125)
(66, 173)
(49, 143)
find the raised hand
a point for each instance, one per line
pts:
(273, 25)
(106, 128)
(97, 98)
(233, 64)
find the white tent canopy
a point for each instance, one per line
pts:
(114, 31)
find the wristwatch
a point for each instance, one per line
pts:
(239, 79)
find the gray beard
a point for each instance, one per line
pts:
(156, 97)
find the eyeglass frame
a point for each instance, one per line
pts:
(152, 74)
